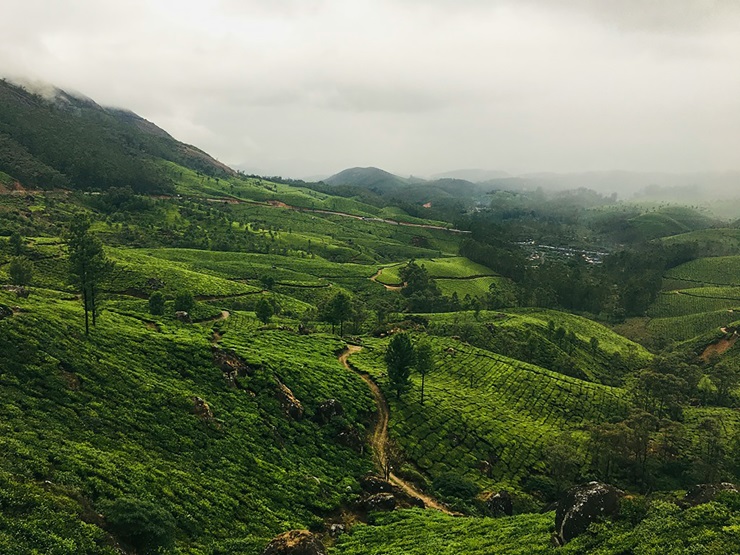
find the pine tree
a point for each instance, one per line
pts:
(88, 267)
(424, 362)
(399, 358)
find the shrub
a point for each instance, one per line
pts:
(143, 525)
(156, 303)
(451, 485)
(184, 301)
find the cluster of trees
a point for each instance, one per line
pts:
(625, 284)
(651, 447)
(402, 357)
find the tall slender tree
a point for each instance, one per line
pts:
(424, 362)
(88, 267)
(399, 358)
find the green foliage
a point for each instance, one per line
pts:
(487, 408)
(145, 526)
(16, 243)
(88, 266)
(424, 362)
(263, 310)
(419, 532)
(184, 301)
(156, 303)
(453, 487)
(399, 358)
(337, 310)
(20, 270)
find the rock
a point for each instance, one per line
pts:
(376, 486)
(380, 502)
(295, 542)
(336, 530)
(350, 437)
(291, 406)
(485, 468)
(183, 316)
(5, 312)
(706, 493)
(327, 410)
(372, 483)
(499, 504)
(232, 366)
(19, 290)
(583, 505)
(201, 409)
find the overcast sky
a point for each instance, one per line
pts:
(303, 87)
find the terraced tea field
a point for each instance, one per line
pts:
(486, 407)
(721, 270)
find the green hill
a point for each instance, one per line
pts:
(69, 141)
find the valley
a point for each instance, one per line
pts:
(194, 360)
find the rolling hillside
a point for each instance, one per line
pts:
(63, 140)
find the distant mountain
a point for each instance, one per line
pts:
(687, 187)
(472, 175)
(376, 180)
(55, 139)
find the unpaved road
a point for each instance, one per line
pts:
(379, 437)
(720, 347)
(389, 287)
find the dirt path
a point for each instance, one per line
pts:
(379, 438)
(720, 347)
(389, 287)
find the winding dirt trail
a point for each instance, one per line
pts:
(720, 347)
(379, 438)
(388, 287)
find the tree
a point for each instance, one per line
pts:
(337, 311)
(268, 282)
(564, 460)
(594, 343)
(725, 376)
(184, 301)
(16, 243)
(263, 310)
(399, 358)
(20, 270)
(156, 303)
(424, 362)
(88, 266)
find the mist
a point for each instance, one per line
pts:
(309, 88)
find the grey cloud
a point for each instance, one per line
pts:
(413, 86)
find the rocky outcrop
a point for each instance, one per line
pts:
(583, 505)
(183, 316)
(381, 495)
(380, 502)
(201, 409)
(498, 504)
(706, 493)
(19, 290)
(291, 406)
(295, 542)
(371, 483)
(232, 366)
(350, 437)
(327, 410)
